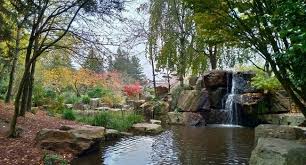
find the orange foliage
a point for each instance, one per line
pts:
(60, 78)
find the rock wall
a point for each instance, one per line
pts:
(208, 96)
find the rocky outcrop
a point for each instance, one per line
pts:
(221, 96)
(216, 116)
(111, 134)
(280, 102)
(293, 119)
(279, 145)
(280, 131)
(216, 97)
(193, 119)
(216, 78)
(273, 151)
(153, 109)
(193, 100)
(72, 139)
(175, 118)
(146, 128)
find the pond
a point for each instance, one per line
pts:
(178, 145)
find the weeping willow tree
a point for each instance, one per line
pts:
(172, 38)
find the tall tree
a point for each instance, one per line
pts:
(172, 32)
(93, 61)
(51, 21)
(129, 66)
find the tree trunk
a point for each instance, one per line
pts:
(31, 86)
(25, 95)
(13, 68)
(12, 131)
(151, 49)
(213, 52)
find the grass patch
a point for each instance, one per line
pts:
(114, 120)
(51, 159)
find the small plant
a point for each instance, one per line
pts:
(69, 114)
(132, 89)
(52, 159)
(85, 99)
(108, 100)
(98, 92)
(71, 98)
(38, 95)
(56, 106)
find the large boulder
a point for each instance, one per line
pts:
(111, 134)
(216, 78)
(293, 119)
(193, 119)
(193, 100)
(154, 109)
(273, 151)
(280, 131)
(72, 139)
(146, 128)
(216, 116)
(280, 102)
(248, 99)
(175, 118)
(216, 97)
(138, 103)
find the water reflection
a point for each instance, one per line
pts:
(180, 145)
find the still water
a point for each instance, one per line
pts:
(178, 145)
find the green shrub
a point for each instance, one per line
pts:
(49, 93)
(114, 120)
(264, 82)
(68, 114)
(71, 99)
(52, 159)
(56, 106)
(99, 92)
(85, 99)
(38, 95)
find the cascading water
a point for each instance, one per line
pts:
(230, 105)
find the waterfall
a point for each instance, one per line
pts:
(230, 105)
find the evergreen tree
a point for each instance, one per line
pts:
(93, 62)
(130, 67)
(135, 69)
